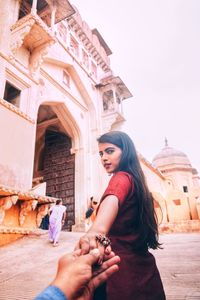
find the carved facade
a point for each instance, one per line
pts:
(54, 73)
(175, 186)
(59, 92)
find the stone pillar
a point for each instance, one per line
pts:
(2, 77)
(8, 14)
(34, 7)
(198, 207)
(53, 17)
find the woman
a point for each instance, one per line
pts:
(126, 215)
(56, 221)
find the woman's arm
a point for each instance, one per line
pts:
(64, 217)
(106, 216)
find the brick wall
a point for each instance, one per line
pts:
(58, 171)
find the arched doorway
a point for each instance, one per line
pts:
(54, 163)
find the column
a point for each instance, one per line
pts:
(34, 7)
(53, 17)
(5, 8)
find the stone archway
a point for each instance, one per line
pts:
(54, 164)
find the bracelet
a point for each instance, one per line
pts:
(103, 240)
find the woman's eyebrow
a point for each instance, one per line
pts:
(109, 148)
(106, 149)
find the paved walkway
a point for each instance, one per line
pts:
(29, 264)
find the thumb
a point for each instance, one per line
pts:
(92, 257)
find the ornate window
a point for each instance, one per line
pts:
(62, 31)
(185, 189)
(85, 59)
(94, 69)
(74, 46)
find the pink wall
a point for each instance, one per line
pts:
(16, 149)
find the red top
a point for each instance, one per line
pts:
(138, 277)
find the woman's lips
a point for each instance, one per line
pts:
(107, 166)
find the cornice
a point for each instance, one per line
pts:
(182, 169)
(16, 110)
(25, 196)
(149, 165)
(88, 44)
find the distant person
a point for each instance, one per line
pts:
(126, 214)
(45, 223)
(78, 276)
(90, 214)
(56, 221)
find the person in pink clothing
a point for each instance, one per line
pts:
(56, 221)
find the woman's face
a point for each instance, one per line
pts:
(110, 156)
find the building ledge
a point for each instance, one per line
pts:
(16, 110)
(180, 226)
(15, 230)
(25, 196)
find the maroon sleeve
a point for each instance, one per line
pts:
(120, 185)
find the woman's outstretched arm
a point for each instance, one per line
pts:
(106, 216)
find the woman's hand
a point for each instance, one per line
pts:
(107, 213)
(89, 242)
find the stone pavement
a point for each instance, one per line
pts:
(29, 264)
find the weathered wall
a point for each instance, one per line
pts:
(17, 137)
(154, 181)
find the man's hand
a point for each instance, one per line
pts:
(79, 275)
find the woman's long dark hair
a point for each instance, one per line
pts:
(129, 163)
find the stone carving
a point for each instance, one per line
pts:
(42, 212)
(108, 101)
(37, 57)
(5, 204)
(26, 207)
(19, 35)
(90, 41)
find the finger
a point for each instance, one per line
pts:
(67, 258)
(93, 243)
(111, 261)
(105, 265)
(77, 246)
(108, 250)
(108, 256)
(102, 252)
(91, 258)
(84, 245)
(76, 253)
(102, 277)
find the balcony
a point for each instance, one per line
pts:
(113, 91)
(35, 28)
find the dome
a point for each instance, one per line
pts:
(170, 156)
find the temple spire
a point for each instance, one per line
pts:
(166, 142)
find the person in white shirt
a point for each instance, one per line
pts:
(56, 221)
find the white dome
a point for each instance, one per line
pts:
(170, 156)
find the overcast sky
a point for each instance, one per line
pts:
(156, 52)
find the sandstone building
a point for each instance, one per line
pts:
(58, 93)
(176, 189)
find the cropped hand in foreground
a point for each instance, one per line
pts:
(79, 275)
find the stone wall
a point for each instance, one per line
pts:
(59, 172)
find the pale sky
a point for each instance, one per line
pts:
(156, 52)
